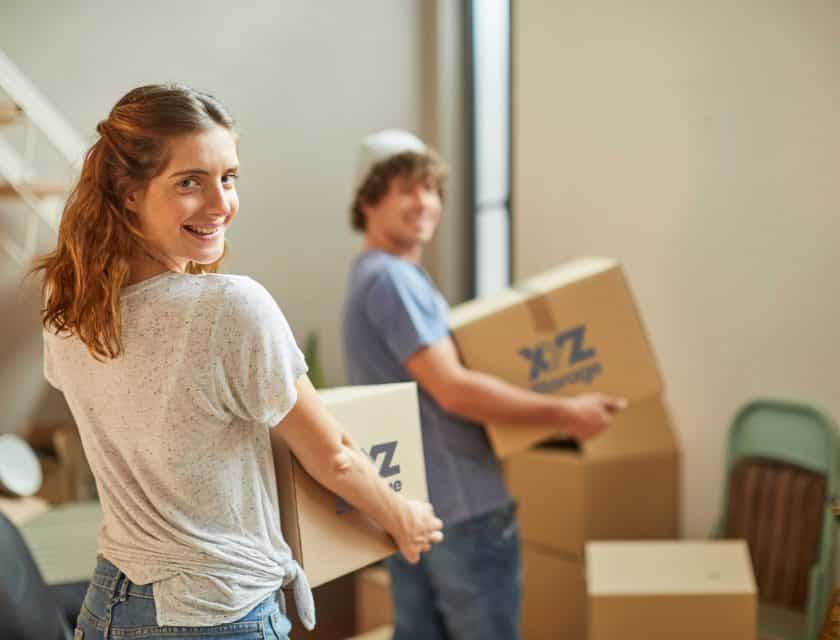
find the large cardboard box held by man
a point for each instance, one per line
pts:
(327, 536)
(569, 330)
(622, 485)
(692, 590)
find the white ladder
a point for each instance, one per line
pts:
(44, 201)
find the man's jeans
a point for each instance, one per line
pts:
(115, 607)
(467, 587)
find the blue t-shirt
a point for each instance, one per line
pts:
(392, 310)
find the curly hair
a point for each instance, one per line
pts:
(98, 235)
(417, 166)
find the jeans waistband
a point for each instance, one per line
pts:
(109, 577)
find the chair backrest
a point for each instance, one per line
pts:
(777, 508)
(782, 469)
(27, 608)
(786, 431)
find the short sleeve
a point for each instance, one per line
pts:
(407, 311)
(49, 366)
(259, 361)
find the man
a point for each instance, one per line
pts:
(395, 328)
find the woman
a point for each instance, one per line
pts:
(174, 375)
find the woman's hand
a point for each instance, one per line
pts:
(419, 529)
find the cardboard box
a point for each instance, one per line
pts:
(335, 609)
(624, 484)
(553, 596)
(328, 537)
(66, 473)
(374, 605)
(382, 633)
(692, 590)
(568, 330)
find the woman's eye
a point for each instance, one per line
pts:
(230, 178)
(187, 183)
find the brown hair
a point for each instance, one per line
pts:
(98, 236)
(416, 166)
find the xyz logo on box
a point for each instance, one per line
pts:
(546, 357)
(381, 454)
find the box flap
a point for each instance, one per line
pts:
(644, 427)
(682, 567)
(352, 393)
(473, 310)
(565, 274)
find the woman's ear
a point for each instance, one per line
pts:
(134, 200)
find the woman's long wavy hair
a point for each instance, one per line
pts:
(98, 236)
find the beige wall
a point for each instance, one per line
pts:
(306, 80)
(698, 142)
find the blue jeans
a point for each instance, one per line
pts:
(467, 587)
(115, 607)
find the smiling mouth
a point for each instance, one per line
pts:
(203, 232)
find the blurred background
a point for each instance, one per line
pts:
(697, 142)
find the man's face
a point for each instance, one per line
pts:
(408, 213)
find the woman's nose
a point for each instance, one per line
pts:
(219, 200)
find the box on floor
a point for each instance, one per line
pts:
(692, 590)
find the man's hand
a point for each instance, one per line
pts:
(419, 529)
(588, 414)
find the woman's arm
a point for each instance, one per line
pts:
(332, 458)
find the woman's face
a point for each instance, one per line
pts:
(186, 209)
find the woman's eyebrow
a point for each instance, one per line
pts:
(201, 172)
(185, 171)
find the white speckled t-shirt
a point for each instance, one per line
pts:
(176, 432)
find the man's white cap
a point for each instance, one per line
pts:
(382, 145)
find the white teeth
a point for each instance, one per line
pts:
(206, 231)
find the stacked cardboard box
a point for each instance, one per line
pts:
(554, 595)
(382, 633)
(570, 330)
(335, 608)
(374, 606)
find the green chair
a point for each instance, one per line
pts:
(781, 480)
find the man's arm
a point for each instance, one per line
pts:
(330, 456)
(485, 398)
